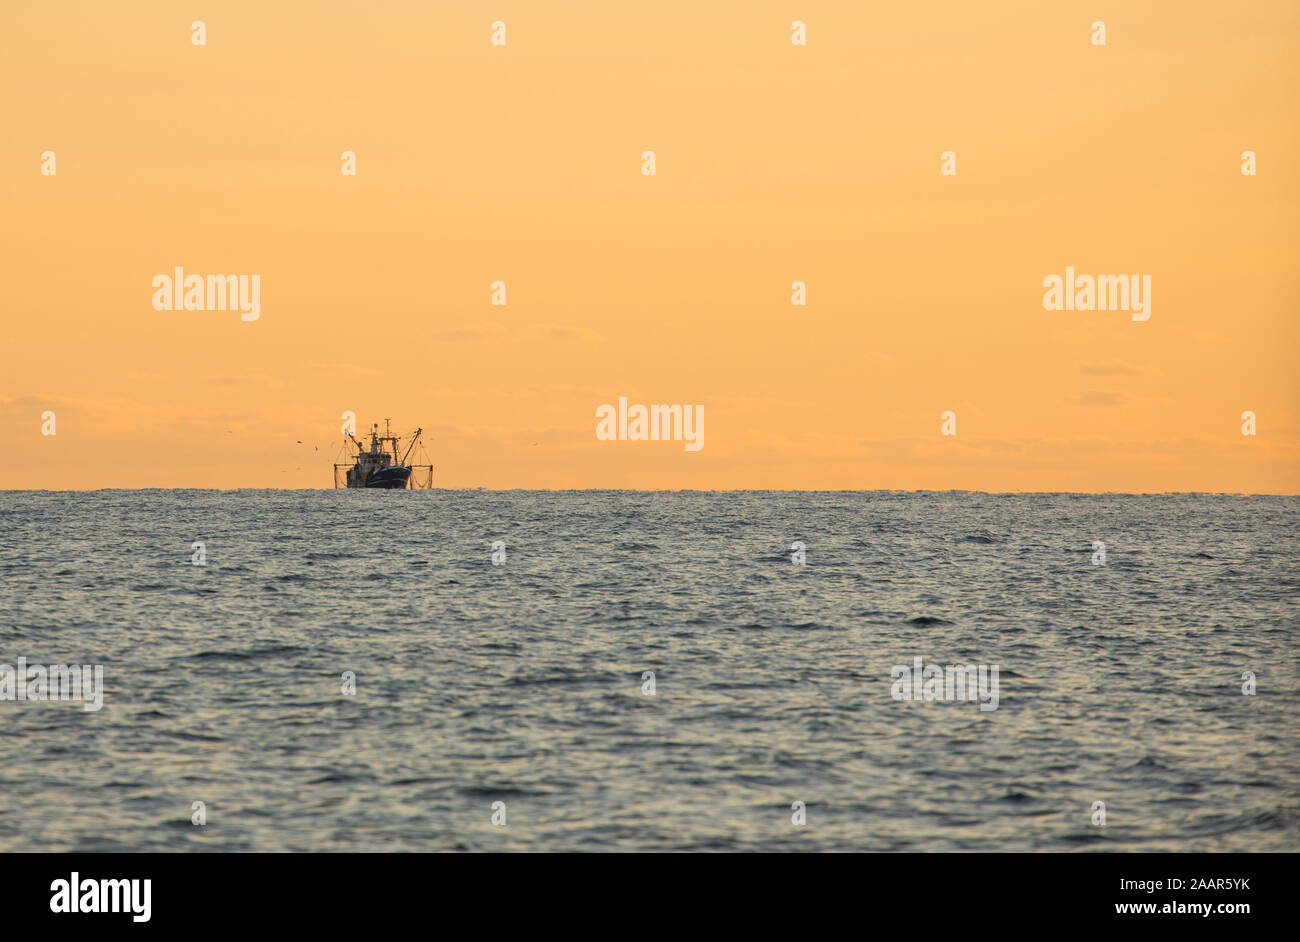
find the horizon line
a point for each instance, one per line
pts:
(680, 490)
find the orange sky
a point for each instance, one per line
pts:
(775, 163)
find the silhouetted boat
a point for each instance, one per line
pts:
(384, 465)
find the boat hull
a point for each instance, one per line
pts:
(389, 479)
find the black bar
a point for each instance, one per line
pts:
(935, 894)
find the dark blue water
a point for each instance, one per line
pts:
(522, 683)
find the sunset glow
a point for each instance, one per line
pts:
(775, 164)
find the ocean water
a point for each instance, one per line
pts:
(522, 683)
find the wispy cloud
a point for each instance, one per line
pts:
(1111, 369)
(1095, 398)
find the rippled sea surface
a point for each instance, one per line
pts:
(522, 683)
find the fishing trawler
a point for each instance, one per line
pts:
(384, 464)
